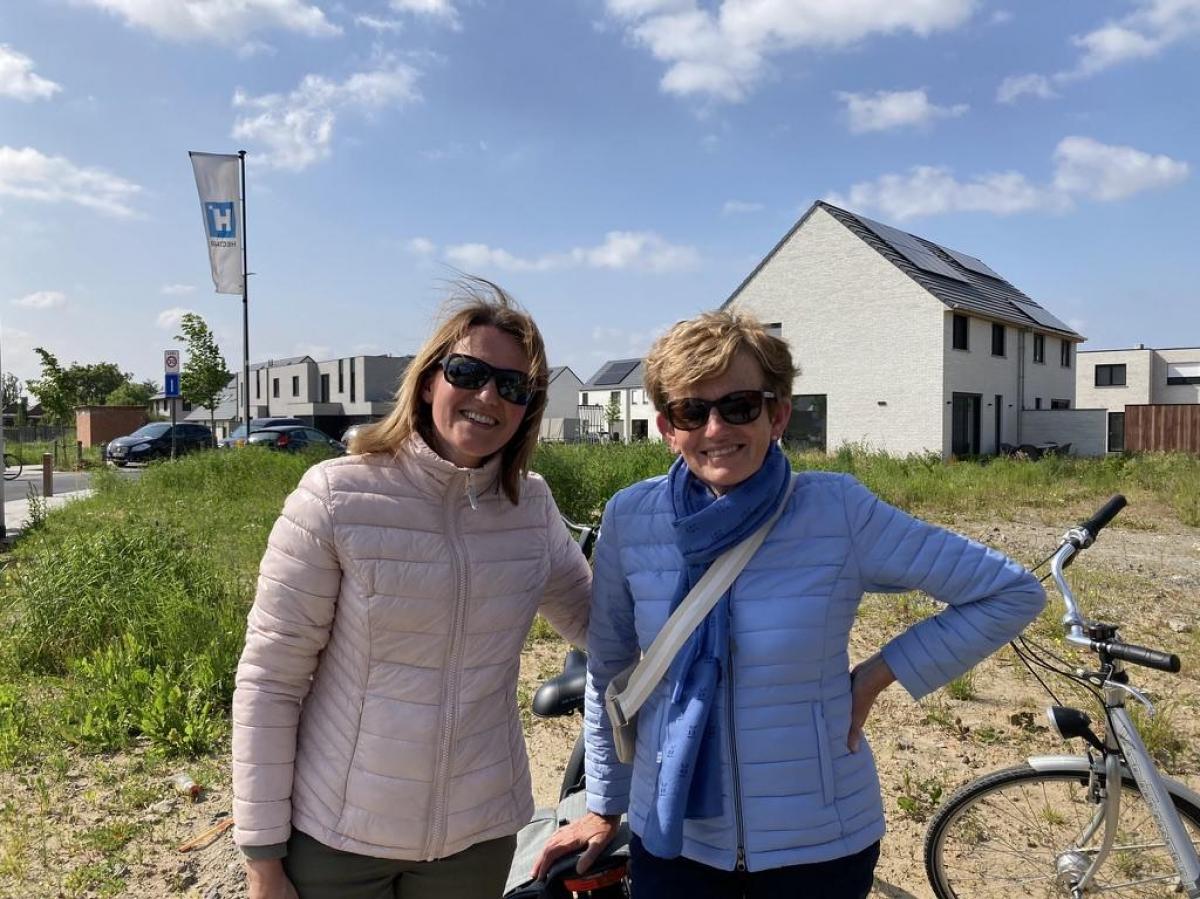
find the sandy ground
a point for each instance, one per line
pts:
(1145, 575)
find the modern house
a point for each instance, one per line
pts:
(160, 406)
(329, 395)
(618, 388)
(907, 346)
(560, 421)
(1114, 379)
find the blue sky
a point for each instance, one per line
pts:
(615, 164)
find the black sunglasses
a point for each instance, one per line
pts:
(737, 408)
(470, 373)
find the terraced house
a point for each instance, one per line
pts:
(907, 346)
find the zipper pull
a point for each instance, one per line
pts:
(741, 859)
(471, 490)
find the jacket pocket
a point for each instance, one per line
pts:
(824, 753)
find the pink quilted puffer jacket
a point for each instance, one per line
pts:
(376, 706)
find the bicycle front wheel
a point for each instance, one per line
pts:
(1021, 832)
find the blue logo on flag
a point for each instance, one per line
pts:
(220, 220)
(171, 387)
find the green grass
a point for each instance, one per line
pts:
(124, 613)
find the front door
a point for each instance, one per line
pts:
(964, 425)
(999, 422)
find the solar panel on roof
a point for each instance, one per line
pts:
(1042, 317)
(914, 251)
(615, 372)
(970, 262)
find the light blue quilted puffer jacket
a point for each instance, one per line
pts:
(793, 793)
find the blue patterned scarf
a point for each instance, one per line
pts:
(689, 773)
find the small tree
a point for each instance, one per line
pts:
(10, 385)
(612, 412)
(205, 374)
(54, 388)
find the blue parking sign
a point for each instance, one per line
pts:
(171, 387)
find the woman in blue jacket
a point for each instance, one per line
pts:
(751, 775)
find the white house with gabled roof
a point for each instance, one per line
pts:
(907, 346)
(619, 382)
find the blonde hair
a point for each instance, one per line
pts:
(474, 303)
(704, 347)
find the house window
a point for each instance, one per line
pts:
(1039, 348)
(1116, 432)
(341, 377)
(275, 388)
(583, 398)
(961, 333)
(257, 384)
(1060, 404)
(324, 388)
(295, 385)
(1064, 354)
(806, 427)
(997, 340)
(614, 396)
(352, 380)
(1037, 402)
(1183, 373)
(775, 329)
(1110, 375)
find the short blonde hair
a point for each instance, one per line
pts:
(704, 347)
(474, 303)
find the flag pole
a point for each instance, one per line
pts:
(245, 301)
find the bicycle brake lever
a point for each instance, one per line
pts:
(1136, 694)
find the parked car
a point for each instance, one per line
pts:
(296, 438)
(153, 441)
(238, 436)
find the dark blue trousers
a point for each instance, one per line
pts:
(849, 877)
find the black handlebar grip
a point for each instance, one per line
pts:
(1141, 655)
(1106, 513)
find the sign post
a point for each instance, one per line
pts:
(171, 387)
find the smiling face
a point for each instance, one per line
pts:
(718, 453)
(471, 425)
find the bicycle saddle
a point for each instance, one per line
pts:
(563, 693)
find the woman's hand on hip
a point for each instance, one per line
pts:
(266, 880)
(867, 680)
(591, 833)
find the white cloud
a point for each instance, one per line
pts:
(17, 79)
(169, 319)
(1102, 172)
(175, 290)
(218, 20)
(739, 207)
(421, 246)
(438, 10)
(31, 175)
(885, 110)
(42, 299)
(621, 250)
(375, 23)
(1083, 169)
(1146, 32)
(1014, 87)
(297, 128)
(722, 53)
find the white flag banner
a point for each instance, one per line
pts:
(218, 183)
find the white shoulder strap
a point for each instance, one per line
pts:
(688, 615)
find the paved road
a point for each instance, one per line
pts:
(64, 481)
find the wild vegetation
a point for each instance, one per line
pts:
(124, 613)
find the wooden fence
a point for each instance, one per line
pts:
(1163, 428)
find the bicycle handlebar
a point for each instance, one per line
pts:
(1141, 655)
(1103, 516)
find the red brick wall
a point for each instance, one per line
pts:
(100, 424)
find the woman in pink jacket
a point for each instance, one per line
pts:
(377, 750)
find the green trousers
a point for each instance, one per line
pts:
(319, 872)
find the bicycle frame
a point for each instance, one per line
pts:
(1122, 742)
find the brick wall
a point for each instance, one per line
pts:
(95, 425)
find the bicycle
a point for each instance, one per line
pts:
(12, 467)
(1054, 826)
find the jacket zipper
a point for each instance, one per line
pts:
(730, 695)
(450, 705)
